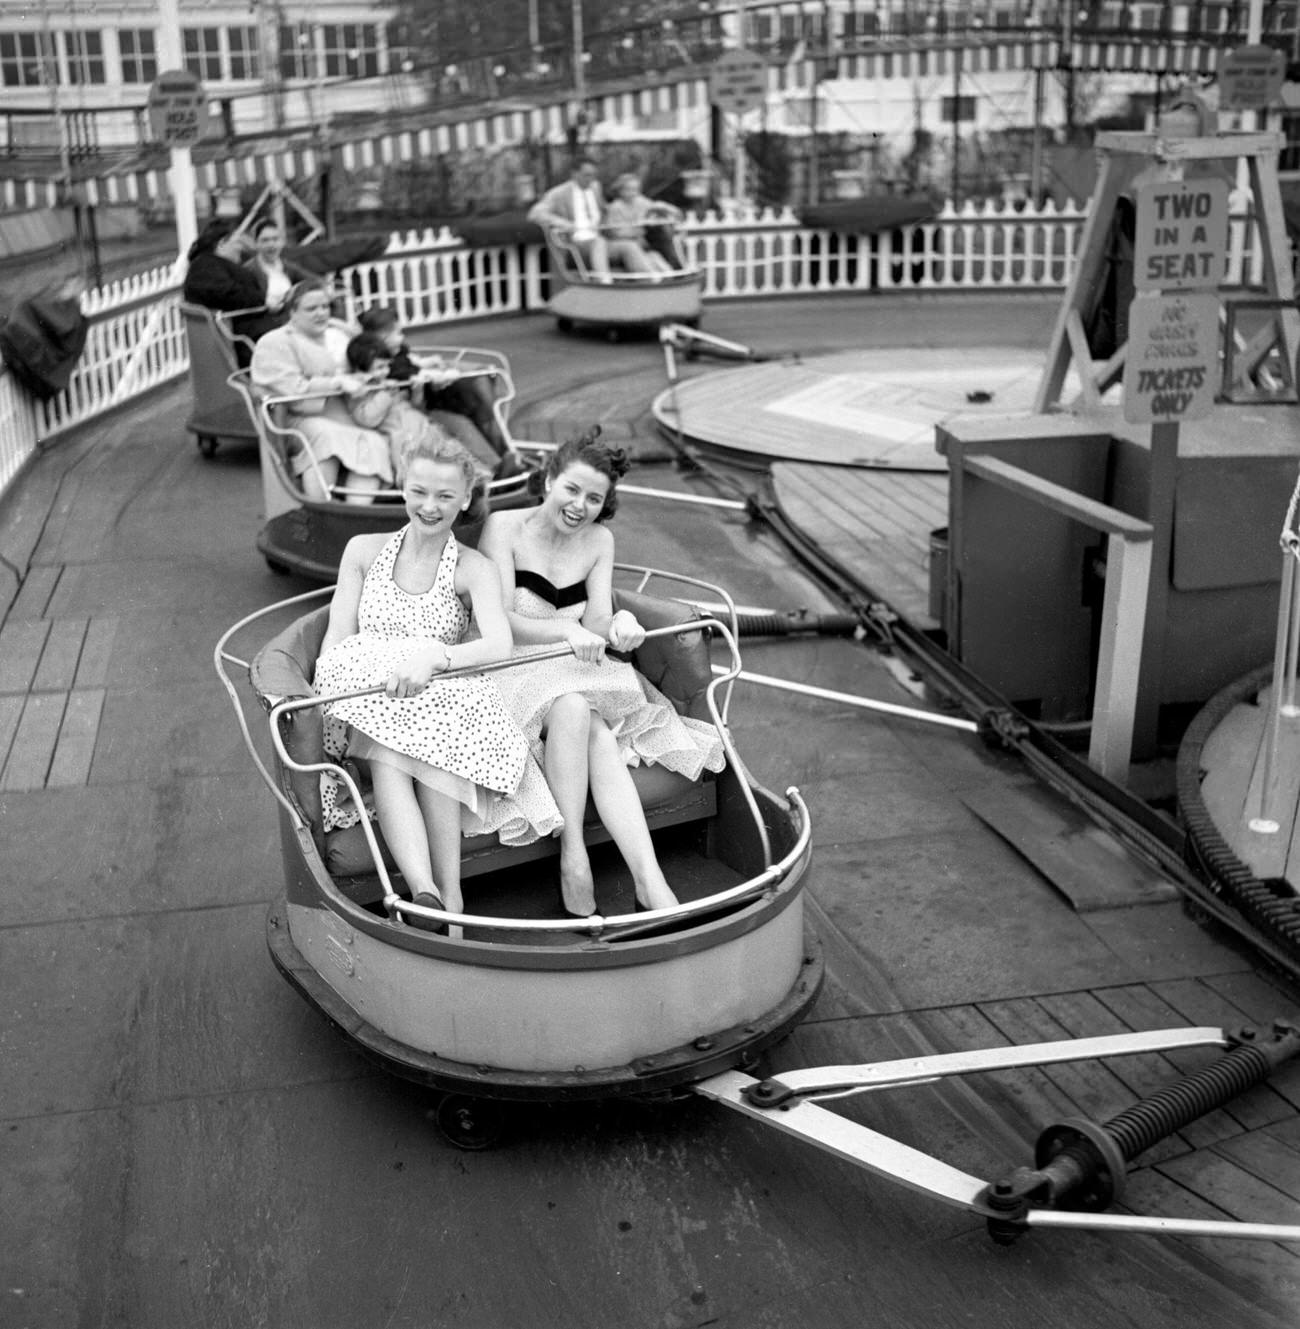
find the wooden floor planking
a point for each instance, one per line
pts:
(1266, 1158)
(1234, 1190)
(1144, 1073)
(92, 668)
(1200, 1004)
(1141, 1009)
(75, 747)
(33, 744)
(62, 653)
(36, 591)
(21, 644)
(1096, 1089)
(869, 520)
(858, 500)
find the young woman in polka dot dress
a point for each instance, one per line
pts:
(589, 717)
(444, 756)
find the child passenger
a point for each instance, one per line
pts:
(380, 403)
(461, 404)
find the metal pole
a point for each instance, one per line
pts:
(1263, 824)
(849, 699)
(184, 186)
(1036, 151)
(50, 73)
(739, 150)
(956, 125)
(579, 70)
(1288, 706)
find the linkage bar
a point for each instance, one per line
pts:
(839, 1081)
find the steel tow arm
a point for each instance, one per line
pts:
(1079, 1164)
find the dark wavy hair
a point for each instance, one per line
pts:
(587, 450)
(210, 237)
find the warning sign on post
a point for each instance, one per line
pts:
(1172, 363)
(738, 81)
(1182, 235)
(1251, 78)
(178, 109)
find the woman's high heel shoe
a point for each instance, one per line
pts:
(430, 900)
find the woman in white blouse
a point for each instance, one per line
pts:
(298, 361)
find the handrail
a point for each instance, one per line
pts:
(260, 408)
(136, 340)
(1124, 608)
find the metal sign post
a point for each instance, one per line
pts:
(737, 84)
(177, 114)
(1171, 371)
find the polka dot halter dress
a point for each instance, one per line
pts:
(455, 736)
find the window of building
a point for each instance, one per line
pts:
(85, 54)
(400, 54)
(296, 56)
(20, 60)
(351, 50)
(202, 52)
(139, 57)
(243, 45)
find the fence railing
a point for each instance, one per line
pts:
(137, 340)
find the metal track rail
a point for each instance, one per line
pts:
(1233, 898)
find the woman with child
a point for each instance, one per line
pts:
(297, 360)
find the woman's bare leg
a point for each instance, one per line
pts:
(442, 822)
(317, 479)
(621, 811)
(566, 731)
(404, 826)
(362, 487)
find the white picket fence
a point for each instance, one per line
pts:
(137, 341)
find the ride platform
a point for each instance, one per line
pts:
(186, 1141)
(1248, 798)
(849, 440)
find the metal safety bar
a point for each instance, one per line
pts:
(772, 874)
(865, 703)
(396, 904)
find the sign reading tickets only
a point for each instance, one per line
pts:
(1171, 366)
(1181, 242)
(178, 109)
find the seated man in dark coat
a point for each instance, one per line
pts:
(217, 278)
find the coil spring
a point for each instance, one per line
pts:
(787, 624)
(1138, 1127)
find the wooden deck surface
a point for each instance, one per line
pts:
(1240, 1160)
(852, 408)
(876, 522)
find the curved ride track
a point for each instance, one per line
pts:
(185, 1142)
